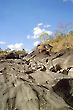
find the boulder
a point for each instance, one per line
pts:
(12, 55)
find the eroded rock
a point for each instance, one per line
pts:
(32, 83)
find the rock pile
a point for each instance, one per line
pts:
(37, 83)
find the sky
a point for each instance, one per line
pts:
(22, 21)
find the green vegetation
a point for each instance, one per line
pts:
(19, 52)
(59, 41)
(62, 39)
(3, 52)
(62, 42)
(44, 37)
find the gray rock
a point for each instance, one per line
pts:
(12, 55)
(28, 84)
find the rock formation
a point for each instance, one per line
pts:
(38, 81)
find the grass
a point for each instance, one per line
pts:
(61, 42)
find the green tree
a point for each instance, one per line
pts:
(44, 37)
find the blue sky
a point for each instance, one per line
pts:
(22, 20)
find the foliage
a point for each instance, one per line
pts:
(61, 42)
(63, 29)
(21, 52)
(44, 37)
(71, 33)
(4, 52)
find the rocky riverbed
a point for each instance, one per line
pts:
(38, 81)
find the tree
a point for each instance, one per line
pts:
(71, 33)
(44, 37)
(63, 29)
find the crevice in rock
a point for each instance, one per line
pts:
(65, 71)
(63, 88)
(55, 68)
(58, 55)
(11, 103)
(37, 95)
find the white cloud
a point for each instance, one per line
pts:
(68, 0)
(37, 31)
(17, 46)
(2, 42)
(36, 43)
(40, 24)
(49, 32)
(28, 50)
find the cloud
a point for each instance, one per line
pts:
(38, 30)
(40, 24)
(36, 43)
(17, 46)
(68, 1)
(2, 42)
